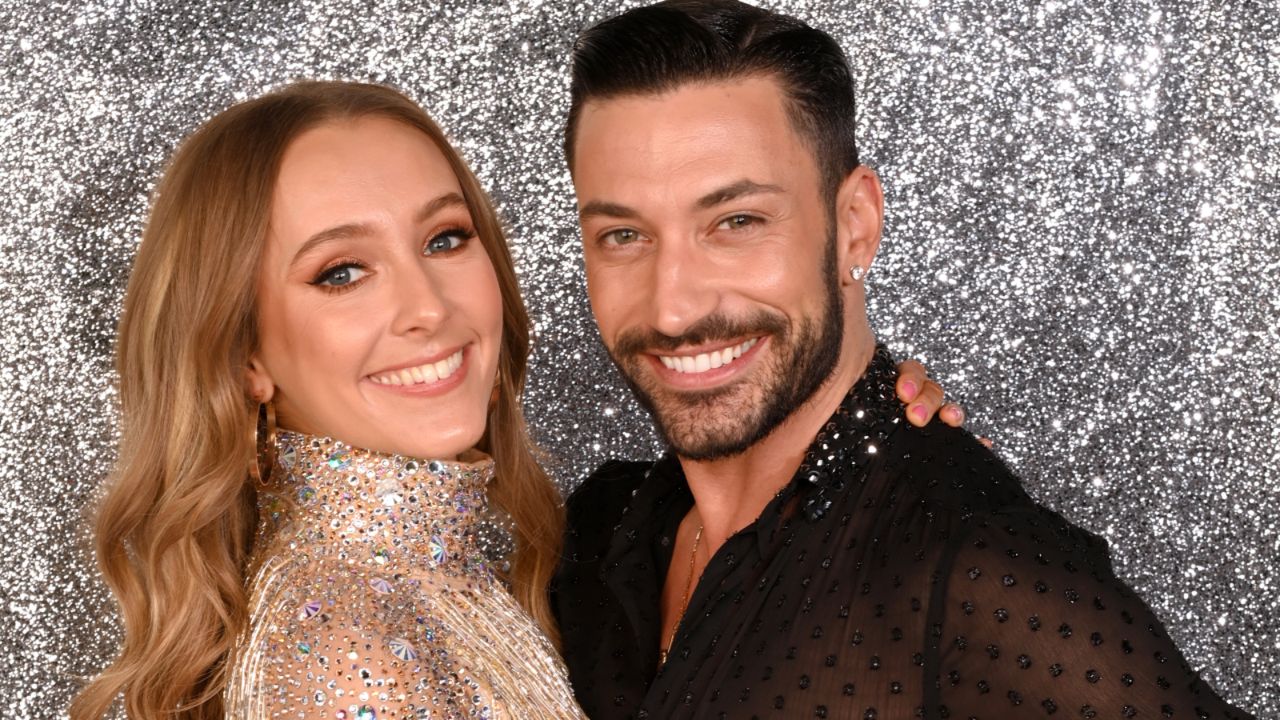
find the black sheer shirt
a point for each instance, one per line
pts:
(903, 573)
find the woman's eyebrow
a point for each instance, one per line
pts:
(347, 231)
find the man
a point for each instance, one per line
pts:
(800, 551)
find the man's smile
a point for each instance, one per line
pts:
(702, 361)
(702, 367)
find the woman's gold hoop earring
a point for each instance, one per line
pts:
(263, 449)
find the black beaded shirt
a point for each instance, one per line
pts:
(902, 573)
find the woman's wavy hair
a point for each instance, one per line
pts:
(175, 528)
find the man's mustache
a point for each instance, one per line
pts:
(709, 329)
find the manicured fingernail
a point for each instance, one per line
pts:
(909, 389)
(956, 414)
(918, 412)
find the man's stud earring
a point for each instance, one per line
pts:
(857, 272)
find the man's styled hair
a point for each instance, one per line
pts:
(658, 48)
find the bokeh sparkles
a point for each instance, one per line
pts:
(1081, 241)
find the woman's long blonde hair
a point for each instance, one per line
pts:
(175, 528)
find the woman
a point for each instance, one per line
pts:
(320, 258)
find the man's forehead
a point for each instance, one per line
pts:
(716, 133)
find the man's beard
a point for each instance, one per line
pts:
(726, 421)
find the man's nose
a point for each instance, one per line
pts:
(684, 288)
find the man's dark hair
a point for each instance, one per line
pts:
(660, 47)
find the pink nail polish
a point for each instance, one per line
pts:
(909, 389)
(918, 413)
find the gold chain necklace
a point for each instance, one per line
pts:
(684, 601)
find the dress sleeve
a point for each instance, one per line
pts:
(1034, 623)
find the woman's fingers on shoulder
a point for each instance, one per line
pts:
(925, 398)
(912, 377)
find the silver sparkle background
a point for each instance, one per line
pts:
(1081, 241)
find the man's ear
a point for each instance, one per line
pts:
(859, 215)
(258, 381)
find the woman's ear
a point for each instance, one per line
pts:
(258, 381)
(859, 215)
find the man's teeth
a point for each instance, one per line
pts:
(703, 362)
(422, 374)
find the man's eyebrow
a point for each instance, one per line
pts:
(734, 191)
(715, 197)
(348, 231)
(600, 208)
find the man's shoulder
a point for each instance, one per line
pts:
(614, 479)
(950, 466)
(601, 497)
(960, 476)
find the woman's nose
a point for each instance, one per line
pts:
(419, 303)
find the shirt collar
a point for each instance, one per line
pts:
(851, 438)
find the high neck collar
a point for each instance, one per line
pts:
(391, 512)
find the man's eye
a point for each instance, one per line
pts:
(622, 236)
(446, 241)
(737, 222)
(340, 275)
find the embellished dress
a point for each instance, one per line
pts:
(372, 595)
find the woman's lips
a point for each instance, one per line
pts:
(427, 373)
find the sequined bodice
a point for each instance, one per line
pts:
(373, 595)
(386, 513)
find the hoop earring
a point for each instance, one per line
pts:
(263, 448)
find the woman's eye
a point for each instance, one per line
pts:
(737, 222)
(623, 236)
(340, 275)
(446, 241)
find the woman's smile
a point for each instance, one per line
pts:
(425, 378)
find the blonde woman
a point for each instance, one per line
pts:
(322, 254)
(321, 357)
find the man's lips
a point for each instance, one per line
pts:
(700, 361)
(707, 367)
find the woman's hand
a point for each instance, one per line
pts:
(924, 397)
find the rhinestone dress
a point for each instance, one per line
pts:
(372, 596)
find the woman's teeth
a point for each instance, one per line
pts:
(703, 362)
(422, 374)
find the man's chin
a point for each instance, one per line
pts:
(698, 432)
(709, 444)
(703, 424)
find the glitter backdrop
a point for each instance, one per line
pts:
(1080, 240)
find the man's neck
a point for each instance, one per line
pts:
(730, 494)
